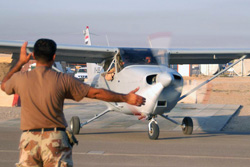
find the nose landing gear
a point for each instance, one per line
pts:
(153, 129)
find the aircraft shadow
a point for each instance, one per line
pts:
(205, 135)
(219, 122)
(75, 104)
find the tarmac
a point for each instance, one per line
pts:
(121, 141)
(206, 117)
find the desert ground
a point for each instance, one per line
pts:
(222, 90)
(227, 90)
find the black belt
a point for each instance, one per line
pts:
(45, 129)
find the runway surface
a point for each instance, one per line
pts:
(115, 141)
(206, 117)
(123, 148)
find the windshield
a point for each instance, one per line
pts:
(82, 70)
(137, 57)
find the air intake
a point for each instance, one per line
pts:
(177, 77)
(151, 79)
(161, 103)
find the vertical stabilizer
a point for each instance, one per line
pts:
(92, 68)
(87, 36)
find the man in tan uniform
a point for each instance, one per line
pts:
(44, 141)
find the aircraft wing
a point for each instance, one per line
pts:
(205, 56)
(68, 53)
(96, 54)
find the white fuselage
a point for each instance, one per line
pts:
(160, 85)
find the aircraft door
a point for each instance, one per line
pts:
(110, 77)
(112, 67)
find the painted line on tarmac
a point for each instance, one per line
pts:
(102, 153)
(166, 156)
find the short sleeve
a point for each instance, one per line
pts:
(10, 85)
(76, 89)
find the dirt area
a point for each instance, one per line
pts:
(4, 68)
(222, 90)
(225, 90)
(228, 90)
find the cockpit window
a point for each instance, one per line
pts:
(107, 64)
(82, 70)
(137, 57)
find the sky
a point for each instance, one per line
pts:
(130, 23)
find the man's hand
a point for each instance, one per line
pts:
(135, 99)
(24, 58)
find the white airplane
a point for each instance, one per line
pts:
(143, 67)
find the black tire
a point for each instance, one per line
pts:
(187, 124)
(75, 125)
(154, 131)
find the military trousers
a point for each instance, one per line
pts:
(45, 148)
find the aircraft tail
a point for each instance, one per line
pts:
(92, 68)
(87, 36)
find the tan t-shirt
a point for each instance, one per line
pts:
(42, 92)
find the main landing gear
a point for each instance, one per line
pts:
(187, 126)
(76, 125)
(153, 128)
(154, 131)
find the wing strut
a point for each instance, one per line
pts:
(196, 88)
(94, 118)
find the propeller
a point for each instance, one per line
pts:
(153, 92)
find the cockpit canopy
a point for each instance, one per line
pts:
(137, 57)
(130, 56)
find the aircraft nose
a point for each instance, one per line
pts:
(164, 78)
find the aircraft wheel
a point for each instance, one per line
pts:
(187, 126)
(154, 131)
(75, 125)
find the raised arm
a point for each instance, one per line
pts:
(24, 58)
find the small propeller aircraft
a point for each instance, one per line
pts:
(124, 69)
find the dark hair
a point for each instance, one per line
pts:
(44, 50)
